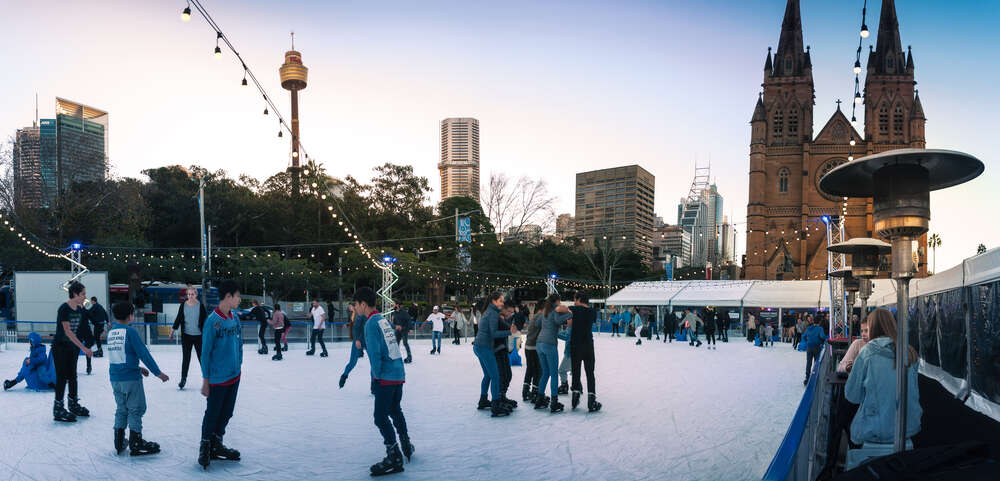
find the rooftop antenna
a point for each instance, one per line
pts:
(36, 110)
(293, 39)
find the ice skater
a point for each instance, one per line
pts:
(566, 364)
(37, 369)
(221, 368)
(319, 325)
(637, 325)
(615, 320)
(125, 350)
(814, 337)
(582, 350)
(501, 352)
(71, 320)
(404, 323)
(533, 370)
(260, 315)
(358, 345)
(99, 318)
(691, 321)
(768, 335)
(669, 326)
(482, 347)
(389, 375)
(190, 319)
(278, 323)
(556, 315)
(709, 323)
(437, 329)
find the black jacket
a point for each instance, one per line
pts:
(402, 319)
(98, 316)
(179, 320)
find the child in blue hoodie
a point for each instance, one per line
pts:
(125, 349)
(221, 361)
(37, 369)
(388, 374)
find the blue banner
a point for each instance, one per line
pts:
(464, 229)
(668, 267)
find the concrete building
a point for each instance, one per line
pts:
(459, 166)
(785, 237)
(565, 226)
(672, 241)
(528, 234)
(52, 155)
(728, 242)
(616, 204)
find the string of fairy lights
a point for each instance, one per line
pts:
(27, 238)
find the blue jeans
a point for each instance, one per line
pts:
(491, 375)
(387, 399)
(219, 410)
(548, 356)
(692, 335)
(436, 340)
(131, 401)
(355, 353)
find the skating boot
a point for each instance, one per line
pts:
(433, 350)
(406, 446)
(90, 367)
(526, 392)
(509, 403)
(59, 413)
(576, 399)
(405, 361)
(277, 355)
(9, 384)
(592, 404)
(262, 350)
(77, 410)
(556, 406)
(541, 402)
(393, 462)
(564, 388)
(484, 403)
(284, 347)
(99, 352)
(698, 345)
(183, 383)
(311, 352)
(139, 447)
(220, 451)
(534, 393)
(324, 354)
(498, 409)
(343, 379)
(638, 342)
(204, 453)
(119, 440)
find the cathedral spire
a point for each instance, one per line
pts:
(889, 58)
(918, 110)
(790, 58)
(759, 112)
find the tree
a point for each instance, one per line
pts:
(7, 176)
(512, 204)
(934, 241)
(980, 249)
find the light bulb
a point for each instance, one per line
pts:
(850, 157)
(296, 154)
(853, 142)
(857, 66)
(864, 31)
(186, 14)
(218, 52)
(857, 98)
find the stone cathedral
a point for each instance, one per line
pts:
(786, 238)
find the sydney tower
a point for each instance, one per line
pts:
(293, 79)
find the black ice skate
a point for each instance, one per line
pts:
(220, 451)
(99, 352)
(204, 453)
(576, 399)
(284, 347)
(556, 406)
(534, 393)
(343, 379)
(484, 403)
(140, 447)
(498, 409)
(592, 404)
(9, 384)
(59, 413)
(119, 440)
(564, 388)
(526, 392)
(509, 403)
(277, 356)
(77, 410)
(406, 446)
(183, 383)
(541, 402)
(324, 354)
(262, 350)
(393, 462)
(311, 352)
(433, 350)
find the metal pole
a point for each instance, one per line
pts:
(204, 238)
(902, 356)
(340, 282)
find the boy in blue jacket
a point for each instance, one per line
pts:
(221, 358)
(388, 374)
(125, 349)
(36, 369)
(814, 337)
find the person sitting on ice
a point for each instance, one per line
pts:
(37, 369)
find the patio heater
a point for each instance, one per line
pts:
(899, 183)
(865, 253)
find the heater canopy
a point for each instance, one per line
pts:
(945, 168)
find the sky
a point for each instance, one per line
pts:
(558, 87)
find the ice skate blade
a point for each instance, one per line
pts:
(393, 471)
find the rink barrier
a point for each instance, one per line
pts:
(802, 451)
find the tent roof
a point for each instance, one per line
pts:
(712, 293)
(785, 294)
(656, 293)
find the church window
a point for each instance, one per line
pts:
(897, 121)
(883, 120)
(788, 63)
(793, 123)
(779, 124)
(783, 180)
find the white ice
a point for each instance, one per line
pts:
(670, 412)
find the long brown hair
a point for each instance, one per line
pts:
(551, 302)
(881, 323)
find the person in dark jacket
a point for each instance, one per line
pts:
(533, 370)
(99, 317)
(189, 322)
(501, 353)
(722, 324)
(403, 322)
(582, 350)
(483, 349)
(260, 315)
(669, 326)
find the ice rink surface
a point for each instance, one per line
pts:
(670, 412)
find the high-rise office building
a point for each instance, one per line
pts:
(616, 205)
(700, 214)
(565, 226)
(672, 242)
(49, 158)
(459, 166)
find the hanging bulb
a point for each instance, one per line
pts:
(295, 154)
(186, 14)
(864, 31)
(279, 133)
(857, 98)
(265, 110)
(850, 158)
(244, 80)
(853, 142)
(218, 52)
(857, 66)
